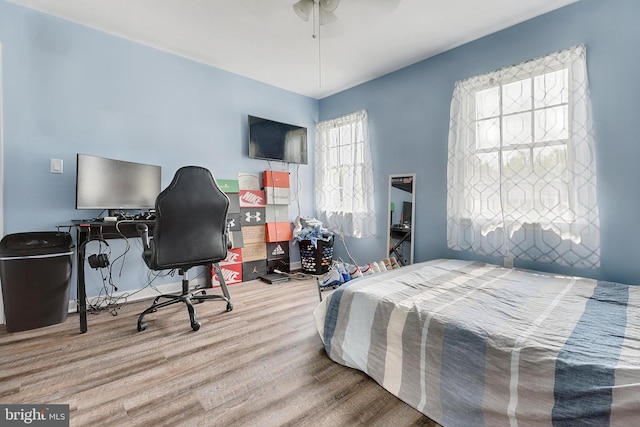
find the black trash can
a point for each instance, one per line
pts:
(35, 269)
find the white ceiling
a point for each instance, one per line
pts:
(266, 41)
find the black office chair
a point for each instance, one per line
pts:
(190, 230)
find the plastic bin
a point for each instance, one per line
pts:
(316, 260)
(35, 269)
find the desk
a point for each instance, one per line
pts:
(401, 235)
(87, 231)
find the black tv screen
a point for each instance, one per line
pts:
(271, 140)
(103, 183)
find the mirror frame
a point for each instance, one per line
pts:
(413, 212)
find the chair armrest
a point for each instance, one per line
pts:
(226, 237)
(143, 232)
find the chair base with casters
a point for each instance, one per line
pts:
(187, 297)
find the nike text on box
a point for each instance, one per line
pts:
(234, 256)
(252, 199)
(232, 273)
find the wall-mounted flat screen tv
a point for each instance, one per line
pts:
(272, 140)
(103, 183)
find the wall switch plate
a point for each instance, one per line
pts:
(56, 166)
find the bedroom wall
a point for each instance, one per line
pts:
(70, 89)
(409, 113)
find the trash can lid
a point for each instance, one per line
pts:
(35, 243)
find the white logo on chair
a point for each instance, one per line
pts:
(255, 216)
(232, 222)
(278, 250)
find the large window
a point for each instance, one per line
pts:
(344, 177)
(521, 172)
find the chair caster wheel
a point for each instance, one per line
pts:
(229, 307)
(142, 327)
(195, 326)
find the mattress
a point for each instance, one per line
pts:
(474, 344)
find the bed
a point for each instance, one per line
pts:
(474, 344)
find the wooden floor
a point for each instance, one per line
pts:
(261, 364)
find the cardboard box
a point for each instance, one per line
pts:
(228, 185)
(234, 256)
(249, 181)
(237, 240)
(278, 196)
(252, 199)
(253, 234)
(252, 216)
(254, 251)
(234, 203)
(279, 264)
(277, 250)
(275, 179)
(233, 222)
(254, 269)
(232, 273)
(278, 231)
(276, 213)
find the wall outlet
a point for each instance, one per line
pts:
(508, 262)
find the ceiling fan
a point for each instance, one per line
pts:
(303, 9)
(322, 10)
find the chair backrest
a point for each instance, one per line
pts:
(191, 221)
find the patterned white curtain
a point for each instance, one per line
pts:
(521, 175)
(344, 176)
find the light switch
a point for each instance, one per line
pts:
(56, 166)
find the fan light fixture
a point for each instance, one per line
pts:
(304, 8)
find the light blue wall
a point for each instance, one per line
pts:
(409, 114)
(70, 89)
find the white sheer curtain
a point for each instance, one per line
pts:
(521, 176)
(344, 176)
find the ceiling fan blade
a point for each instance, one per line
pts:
(327, 17)
(329, 6)
(303, 9)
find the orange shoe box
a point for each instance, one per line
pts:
(275, 179)
(278, 231)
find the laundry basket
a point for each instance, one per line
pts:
(316, 259)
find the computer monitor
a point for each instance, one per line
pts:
(407, 210)
(116, 185)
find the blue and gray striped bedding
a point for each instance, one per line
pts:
(474, 344)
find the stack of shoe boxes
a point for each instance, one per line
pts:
(252, 221)
(278, 227)
(231, 267)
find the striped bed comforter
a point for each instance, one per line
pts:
(474, 344)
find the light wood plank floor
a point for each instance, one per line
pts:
(260, 364)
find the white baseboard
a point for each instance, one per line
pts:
(145, 293)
